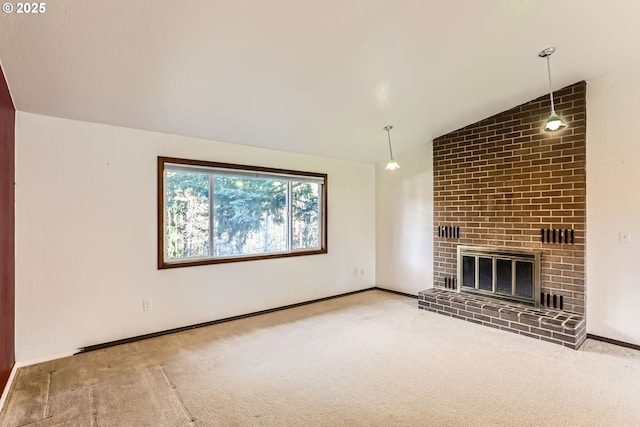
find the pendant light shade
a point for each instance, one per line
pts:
(391, 164)
(554, 122)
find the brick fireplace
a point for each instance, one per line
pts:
(505, 184)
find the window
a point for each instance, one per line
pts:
(215, 212)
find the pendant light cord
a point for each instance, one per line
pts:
(389, 137)
(550, 90)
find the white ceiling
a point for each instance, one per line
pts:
(319, 77)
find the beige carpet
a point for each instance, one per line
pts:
(370, 359)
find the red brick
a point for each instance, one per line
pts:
(503, 180)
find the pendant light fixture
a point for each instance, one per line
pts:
(391, 164)
(554, 122)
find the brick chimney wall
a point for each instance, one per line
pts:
(503, 179)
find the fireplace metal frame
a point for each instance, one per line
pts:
(501, 253)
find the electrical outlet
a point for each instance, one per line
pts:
(625, 237)
(362, 272)
(146, 305)
(355, 271)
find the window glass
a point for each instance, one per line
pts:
(249, 216)
(187, 214)
(305, 215)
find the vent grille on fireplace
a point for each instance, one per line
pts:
(508, 274)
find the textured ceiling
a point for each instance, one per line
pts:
(312, 77)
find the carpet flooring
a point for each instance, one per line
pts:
(369, 359)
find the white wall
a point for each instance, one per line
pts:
(86, 238)
(404, 222)
(613, 205)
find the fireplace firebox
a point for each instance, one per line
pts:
(503, 273)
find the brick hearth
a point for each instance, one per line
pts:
(560, 327)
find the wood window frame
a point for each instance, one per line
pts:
(164, 264)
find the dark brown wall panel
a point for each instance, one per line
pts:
(7, 232)
(503, 179)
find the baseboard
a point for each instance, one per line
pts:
(404, 294)
(612, 341)
(214, 322)
(7, 387)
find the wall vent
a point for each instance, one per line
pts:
(551, 301)
(449, 232)
(450, 282)
(557, 235)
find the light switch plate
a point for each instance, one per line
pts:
(625, 237)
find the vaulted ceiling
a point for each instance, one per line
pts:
(318, 77)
